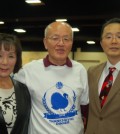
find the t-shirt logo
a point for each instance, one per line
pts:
(59, 102)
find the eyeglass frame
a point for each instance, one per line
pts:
(56, 38)
(110, 36)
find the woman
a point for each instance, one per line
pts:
(15, 103)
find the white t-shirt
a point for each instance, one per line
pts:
(57, 93)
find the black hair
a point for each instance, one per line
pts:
(9, 40)
(113, 20)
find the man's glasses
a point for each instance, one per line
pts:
(111, 37)
(56, 39)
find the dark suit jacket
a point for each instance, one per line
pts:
(107, 119)
(23, 103)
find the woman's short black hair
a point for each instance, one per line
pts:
(9, 40)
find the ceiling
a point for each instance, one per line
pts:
(87, 15)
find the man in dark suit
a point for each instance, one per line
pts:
(105, 119)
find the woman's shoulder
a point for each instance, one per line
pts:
(18, 84)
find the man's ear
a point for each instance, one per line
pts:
(101, 43)
(45, 44)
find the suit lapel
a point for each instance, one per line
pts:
(97, 76)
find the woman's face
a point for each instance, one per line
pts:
(7, 61)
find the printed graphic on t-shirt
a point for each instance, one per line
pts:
(8, 107)
(59, 102)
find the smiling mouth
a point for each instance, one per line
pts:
(114, 48)
(3, 70)
(60, 51)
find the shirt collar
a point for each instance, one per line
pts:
(117, 66)
(48, 63)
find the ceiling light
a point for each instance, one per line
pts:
(75, 30)
(61, 20)
(34, 2)
(90, 42)
(19, 30)
(1, 22)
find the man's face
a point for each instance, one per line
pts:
(111, 41)
(59, 44)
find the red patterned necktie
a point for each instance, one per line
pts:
(107, 84)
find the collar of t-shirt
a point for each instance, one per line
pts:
(48, 63)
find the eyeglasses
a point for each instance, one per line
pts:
(56, 39)
(111, 37)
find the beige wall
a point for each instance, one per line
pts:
(89, 58)
(86, 58)
(29, 56)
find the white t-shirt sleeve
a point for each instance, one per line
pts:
(20, 76)
(84, 99)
